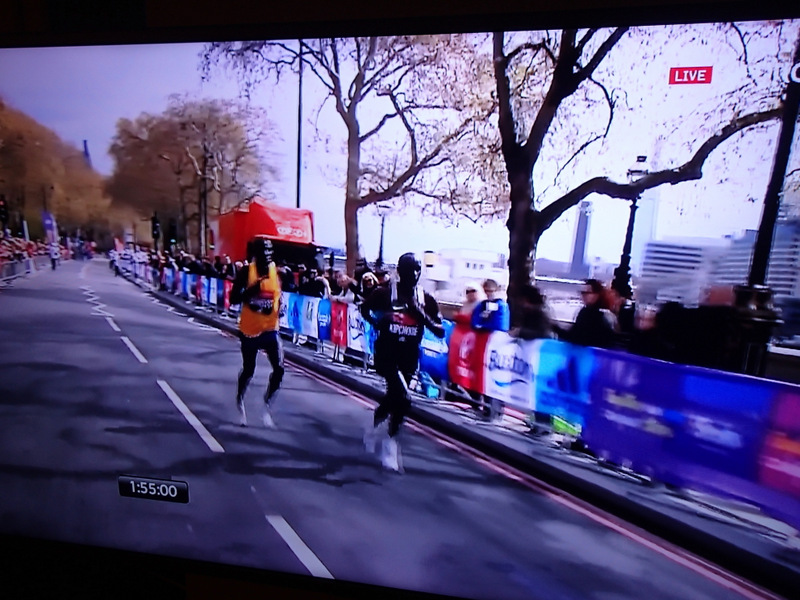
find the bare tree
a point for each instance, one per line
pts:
(412, 85)
(162, 159)
(572, 61)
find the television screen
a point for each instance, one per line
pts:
(498, 307)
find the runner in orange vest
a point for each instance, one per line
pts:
(257, 288)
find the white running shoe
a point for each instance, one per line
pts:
(372, 435)
(242, 413)
(269, 422)
(390, 455)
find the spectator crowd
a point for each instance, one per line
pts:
(16, 249)
(702, 336)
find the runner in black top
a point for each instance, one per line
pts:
(399, 313)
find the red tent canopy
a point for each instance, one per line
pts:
(260, 217)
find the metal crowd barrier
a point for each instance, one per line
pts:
(18, 268)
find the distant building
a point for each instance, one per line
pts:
(644, 228)
(446, 273)
(678, 270)
(783, 272)
(578, 267)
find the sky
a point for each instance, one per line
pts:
(81, 92)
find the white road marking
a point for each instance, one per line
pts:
(204, 434)
(201, 325)
(111, 322)
(139, 356)
(296, 545)
(92, 298)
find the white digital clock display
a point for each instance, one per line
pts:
(168, 490)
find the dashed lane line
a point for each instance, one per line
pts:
(298, 547)
(204, 434)
(114, 326)
(139, 356)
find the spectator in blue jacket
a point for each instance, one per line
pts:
(491, 314)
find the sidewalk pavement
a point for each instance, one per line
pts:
(735, 536)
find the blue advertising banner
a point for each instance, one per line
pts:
(685, 426)
(563, 375)
(295, 312)
(324, 320)
(206, 289)
(221, 293)
(170, 278)
(433, 352)
(635, 411)
(50, 227)
(725, 421)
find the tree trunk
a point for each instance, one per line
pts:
(351, 234)
(352, 198)
(521, 220)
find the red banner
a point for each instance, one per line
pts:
(780, 459)
(465, 357)
(226, 294)
(198, 288)
(339, 324)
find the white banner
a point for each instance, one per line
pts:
(309, 325)
(212, 291)
(283, 311)
(356, 330)
(509, 370)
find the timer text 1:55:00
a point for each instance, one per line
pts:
(167, 490)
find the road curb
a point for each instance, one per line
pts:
(762, 570)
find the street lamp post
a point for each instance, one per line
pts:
(383, 212)
(622, 274)
(204, 201)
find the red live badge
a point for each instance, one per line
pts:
(690, 75)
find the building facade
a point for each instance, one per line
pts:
(678, 270)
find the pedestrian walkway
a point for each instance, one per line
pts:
(736, 536)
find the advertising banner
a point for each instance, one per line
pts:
(308, 324)
(779, 462)
(295, 317)
(211, 298)
(205, 290)
(562, 381)
(200, 283)
(686, 426)
(509, 369)
(185, 280)
(339, 323)
(226, 295)
(778, 493)
(283, 312)
(359, 332)
(324, 319)
(169, 278)
(465, 357)
(726, 418)
(221, 293)
(635, 410)
(433, 352)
